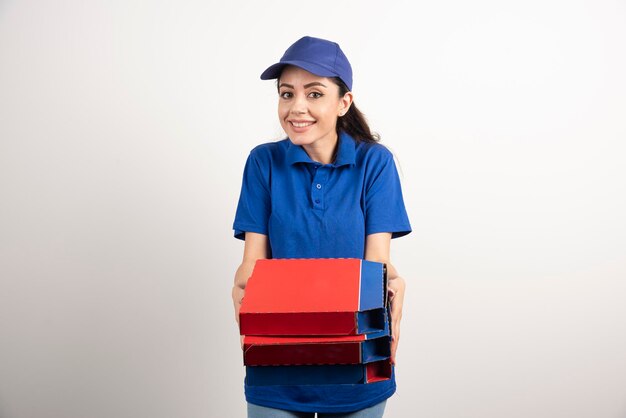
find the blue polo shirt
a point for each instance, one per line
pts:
(314, 210)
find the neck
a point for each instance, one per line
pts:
(323, 151)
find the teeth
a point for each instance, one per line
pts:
(301, 124)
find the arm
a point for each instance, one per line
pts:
(377, 248)
(255, 247)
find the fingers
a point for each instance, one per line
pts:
(395, 292)
(394, 347)
(237, 306)
(237, 294)
(395, 338)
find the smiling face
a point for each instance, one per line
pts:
(308, 108)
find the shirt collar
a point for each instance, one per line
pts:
(346, 153)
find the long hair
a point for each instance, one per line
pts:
(354, 122)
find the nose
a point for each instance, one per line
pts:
(298, 105)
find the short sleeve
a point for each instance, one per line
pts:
(384, 205)
(254, 205)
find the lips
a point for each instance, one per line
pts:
(301, 124)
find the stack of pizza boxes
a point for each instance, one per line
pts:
(316, 321)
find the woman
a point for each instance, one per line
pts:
(329, 190)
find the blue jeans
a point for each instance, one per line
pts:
(256, 411)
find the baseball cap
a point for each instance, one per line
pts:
(317, 56)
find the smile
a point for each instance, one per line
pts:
(301, 124)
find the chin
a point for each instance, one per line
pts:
(300, 139)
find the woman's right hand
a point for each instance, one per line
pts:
(256, 247)
(238, 294)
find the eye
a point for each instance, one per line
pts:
(315, 95)
(286, 95)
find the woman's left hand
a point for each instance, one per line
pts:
(395, 289)
(377, 249)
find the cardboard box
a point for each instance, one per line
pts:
(314, 297)
(352, 349)
(319, 375)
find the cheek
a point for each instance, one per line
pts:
(282, 115)
(330, 110)
(329, 116)
(282, 110)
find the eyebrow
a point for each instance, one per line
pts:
(306, 86)
(315, 83)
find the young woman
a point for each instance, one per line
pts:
(329, 190)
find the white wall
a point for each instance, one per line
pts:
(124, 126)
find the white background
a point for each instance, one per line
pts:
(124, 127)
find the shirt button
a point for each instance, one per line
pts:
(317, 200)
(319, 186)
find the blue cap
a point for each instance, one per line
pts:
(318, 56)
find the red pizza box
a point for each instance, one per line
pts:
(319, 374)
(350, 349)
(314, 297)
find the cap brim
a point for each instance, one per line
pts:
(274, 71)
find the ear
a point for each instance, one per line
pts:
(344, 103)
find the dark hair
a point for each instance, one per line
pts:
(354, 122)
